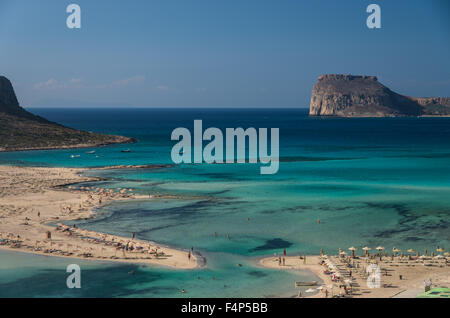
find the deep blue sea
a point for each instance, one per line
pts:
(370, 181)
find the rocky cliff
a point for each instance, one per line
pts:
(363, 96)
(21, 130)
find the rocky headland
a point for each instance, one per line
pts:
(22, 130)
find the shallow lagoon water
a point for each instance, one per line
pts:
(369, 181)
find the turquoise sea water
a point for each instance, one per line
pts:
(370, 182)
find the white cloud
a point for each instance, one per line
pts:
(76, 80)
(79, 82)
(123, 82)
(53, 84)
(162, 88)
(128, 81)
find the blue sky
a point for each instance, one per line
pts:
(217, 53)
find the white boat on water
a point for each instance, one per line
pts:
(90, 152)
(75, 156)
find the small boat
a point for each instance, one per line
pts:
(75, 156)
(90, 152)
(127, 150)
(298, 284)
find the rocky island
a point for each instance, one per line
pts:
(339, 95)
(22, 130)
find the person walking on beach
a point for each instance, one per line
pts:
(189, 256)
(284, 252)
(279, 261)
(39, 214)
(304, 259)
(133, 235)
(284, 261)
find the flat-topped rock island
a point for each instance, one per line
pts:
(338, 95)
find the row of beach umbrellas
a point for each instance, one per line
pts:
(366, 249)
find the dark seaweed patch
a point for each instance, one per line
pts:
(257, 274)
(313, 159)
(272, 244)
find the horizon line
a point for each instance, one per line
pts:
(158, 107)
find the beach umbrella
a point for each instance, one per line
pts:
(366, 250)
(395, 250)
(353, 249)
(439, 256)
(411, 251)
(380, 249)
(446, 253)
(440, 250)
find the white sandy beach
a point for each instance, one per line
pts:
(413, 272)
(31, 198)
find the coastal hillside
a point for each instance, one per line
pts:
(21, 130)
(363, 96)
